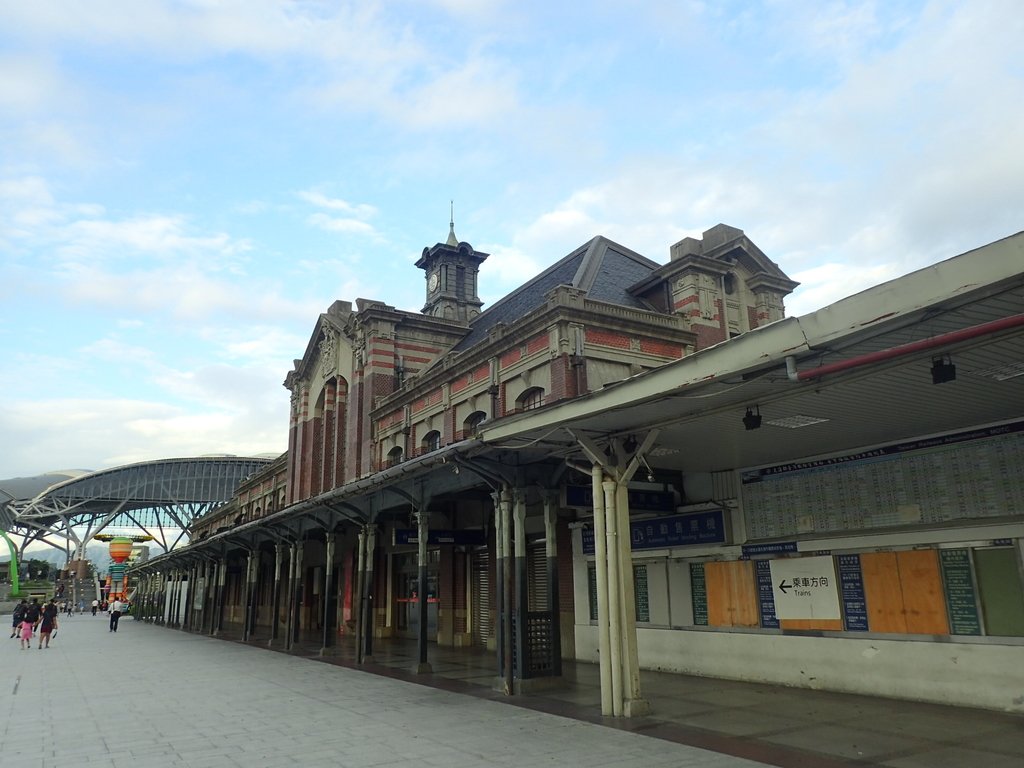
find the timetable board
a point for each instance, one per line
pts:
(963, 475)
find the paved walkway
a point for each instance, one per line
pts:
(773, 725)
(151, 697)
(155, 697)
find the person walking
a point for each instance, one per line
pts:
(32, 613)
(115, 613)
(18, 616)
(95, 606)
(26, 633)
(48, 624)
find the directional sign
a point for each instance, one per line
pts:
(805, 588)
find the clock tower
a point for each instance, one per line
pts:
(451, 270)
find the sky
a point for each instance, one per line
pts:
(186, 185)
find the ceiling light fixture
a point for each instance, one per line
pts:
(752, 419)
(943, 370)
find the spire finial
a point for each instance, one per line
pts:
(452, 239)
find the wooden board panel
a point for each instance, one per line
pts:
(829, 624)
(924, 601)
(882, 592)
(732, 594)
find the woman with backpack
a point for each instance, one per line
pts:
(17, 617)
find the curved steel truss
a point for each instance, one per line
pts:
(160, 498)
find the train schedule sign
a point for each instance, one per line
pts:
(805, 588)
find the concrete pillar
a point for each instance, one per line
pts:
(175, 595)
(551, 553)
(329, 604)
(298, 588)
(248, 595)
(499, 584)
(634, 705)
(614, 594)
(370, 619)
(275, 614)
(423, 532)
(190, 575)
(360, 596)
(222, 590)
(601, 576)
(506, 589)
(521, 597)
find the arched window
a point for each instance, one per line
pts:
(472, 423)
(530, 399)
(431, 441)
(395, 456)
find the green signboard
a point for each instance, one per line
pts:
(699, 592)
(640, 593)
(961, 602)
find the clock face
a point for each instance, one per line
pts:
(432, 281)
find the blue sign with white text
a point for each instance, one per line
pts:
(582, 496)
(676, 531)
(851, 586)
(765, 595)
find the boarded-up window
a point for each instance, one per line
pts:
(732, 594)
(904, 592)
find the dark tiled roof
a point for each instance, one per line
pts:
(603, 269)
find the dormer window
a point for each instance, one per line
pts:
(729, 284)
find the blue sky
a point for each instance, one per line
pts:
(184, 186)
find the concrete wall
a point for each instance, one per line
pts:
(980, 675)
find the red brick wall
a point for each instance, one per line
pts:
(560, 387)
(691, 299)
(510, 357)
(293, 454)
(537, 343)
(340, 435)
(708, 335)
(316, 458)
(330, 443)
(661, 348)
(305, 456)
(602, 338)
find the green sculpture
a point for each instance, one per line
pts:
(15, 584)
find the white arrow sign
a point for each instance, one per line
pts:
(805, 588)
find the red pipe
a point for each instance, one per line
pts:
(1014, 321)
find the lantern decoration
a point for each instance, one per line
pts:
(120, 550)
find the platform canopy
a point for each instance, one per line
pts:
(159, 498)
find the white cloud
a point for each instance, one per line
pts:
(343, 225)
(114, 432)
(320, 200)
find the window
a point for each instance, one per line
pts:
(395, 456)
(530, 399)
(473, 422)
(431, 441)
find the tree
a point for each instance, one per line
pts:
(38, 569)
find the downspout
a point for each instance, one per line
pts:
(942, 340)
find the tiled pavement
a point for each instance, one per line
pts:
(150, 696)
